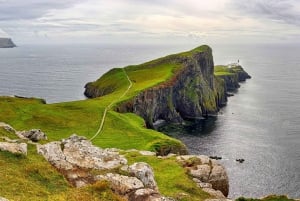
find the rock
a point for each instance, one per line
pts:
(218, 199)
(145, 194)
(240, 160)
(219, 179)
(207, 173)
(15, 148)
(53, 153)
(143, 172)
(34, 135)
(202, 172)
(214, 193)
(80, 152)
(121, 184)
(215, 157)
(147, 153)
(7, 127)
(3, 199)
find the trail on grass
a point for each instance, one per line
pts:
(110, 105)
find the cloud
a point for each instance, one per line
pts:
(282, 11)
(172, 20)
(30, 9)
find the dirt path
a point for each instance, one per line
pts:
(110, 105)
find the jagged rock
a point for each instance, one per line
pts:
(145, 194)
(219, 179)
(3, 199)
(218, 199)
(7, 127)
(206, 171)
(53, 153)
(143, 172)
(80, 152)
(15, 148)
(214, 193)
(202, 172)
(147, 153)
(121, 184)
(34, 135)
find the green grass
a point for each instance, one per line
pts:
(221, 70)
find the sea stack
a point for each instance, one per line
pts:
(6, 43)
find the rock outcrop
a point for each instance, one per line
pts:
(3, 199)
(193, 91)
(6, 43)
(15, 148)
(34, 135)
(207, 173)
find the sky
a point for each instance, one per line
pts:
(151, 21)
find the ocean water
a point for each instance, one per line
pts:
(261, 122)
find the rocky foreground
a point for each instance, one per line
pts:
(82, 163)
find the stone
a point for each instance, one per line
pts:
(121, 184)
(202, 172)
(3, 199)
(218, 199)
(147, 153)
(219, 179)
(145, 194)
(7, 127)
(143, 172)
(214, 193)
(80, 152)
(15, 148)
(34, 135)
(53, 153)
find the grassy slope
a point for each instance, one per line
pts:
(123, 131)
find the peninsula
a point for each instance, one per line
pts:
(6, 43)
(113, 155)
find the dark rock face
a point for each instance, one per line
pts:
(6, 43)
(192, 93)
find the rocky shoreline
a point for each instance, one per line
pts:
(82, 163)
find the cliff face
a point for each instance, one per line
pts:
(6, 43)
(192, 93)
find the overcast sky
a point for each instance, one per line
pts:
(151, 21)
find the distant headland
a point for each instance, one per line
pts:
(6, 43)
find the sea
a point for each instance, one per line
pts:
(260, 123)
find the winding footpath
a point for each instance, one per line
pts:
(110, 105)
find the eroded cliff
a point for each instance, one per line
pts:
(191, 92)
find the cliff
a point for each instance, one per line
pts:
(6, 43)
(192, 91)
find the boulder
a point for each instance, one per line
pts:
(3, 199)
(145, 194)
(121, 184)
(53, 153)
(219, 179)
(34, 135)
(80, 152)
(15, 148)
(143, 172)
(207, 173)
(7, 127)
(202, 172)
(214, 193)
